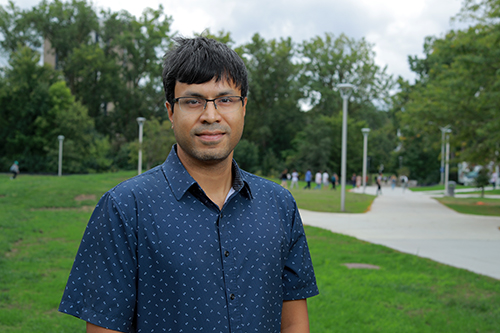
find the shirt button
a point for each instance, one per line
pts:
(232, 297)
(226, 253)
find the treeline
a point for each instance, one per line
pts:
(108, 73)
(458, 84)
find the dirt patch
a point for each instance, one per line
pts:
(11, 253)
(361, 266)
(83, 197)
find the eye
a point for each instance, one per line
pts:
(191, 102)
(226, 100)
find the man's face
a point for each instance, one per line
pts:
(207, 136)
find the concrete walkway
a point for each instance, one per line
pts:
(413, 222)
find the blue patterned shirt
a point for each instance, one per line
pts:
(159, 256)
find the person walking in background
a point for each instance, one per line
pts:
(353, 180)
(318, 178)
(14, 169)
(379, 183)
(295, 179)
(358, 181)
(308, 179)
(284, 178)
(493, 180)
(325, 179)
(334, 181)
(393, 181)
(404, 182)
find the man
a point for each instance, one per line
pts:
(493, 179)
(295, 180)
(404, 182)
(379, 183)
(14, 169)
(318, 180)
(334, 181)
(195, 244)
(308, 179)
(325, 179)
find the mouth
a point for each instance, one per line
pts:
(210, 136)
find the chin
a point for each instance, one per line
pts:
(213, 157)
(210, 155)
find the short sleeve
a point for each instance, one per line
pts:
(101, 288)
(299, 281)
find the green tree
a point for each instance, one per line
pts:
(84, 150)
(330, 61)
(319, 145)
(137, 44)
(23, 97)
(37, 107)
(482, 180)
(17, 29)
(458, 85)
(246, 155)
(156, 145)
(273, 113)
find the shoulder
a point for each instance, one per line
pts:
(265, 189)
(139, 186)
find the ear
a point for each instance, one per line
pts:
(245, 106)
(170, 111)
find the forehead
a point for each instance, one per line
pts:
(213, 87)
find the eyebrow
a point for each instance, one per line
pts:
(220, 94)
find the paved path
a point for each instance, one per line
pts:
(414, 223)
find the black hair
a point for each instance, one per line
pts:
(199, 60)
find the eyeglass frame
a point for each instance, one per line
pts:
(242, 99)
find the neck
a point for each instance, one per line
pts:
(214, 178)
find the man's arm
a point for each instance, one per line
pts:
(91, 328)
(294, 317)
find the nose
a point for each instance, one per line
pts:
(210, 114)
(208, 101)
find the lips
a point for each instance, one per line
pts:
(210, 136)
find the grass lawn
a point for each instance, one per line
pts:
(42, 219)
(328, 200)
(487, 191)
(437, 188)
(474, 206)
(407, 293)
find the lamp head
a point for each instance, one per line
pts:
(365, 130)
(60, 137)
(140, 120)
(445, 129)
(345, 89)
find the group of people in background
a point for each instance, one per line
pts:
(323, 180)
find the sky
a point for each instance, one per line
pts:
(395, 28)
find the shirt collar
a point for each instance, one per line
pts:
(181, 181)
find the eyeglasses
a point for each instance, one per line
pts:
(224, 104)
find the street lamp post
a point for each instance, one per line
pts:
(447, 166)
(365, 132)
(443, 133)
(59, 169)
(140, 121)
(345, 91)
(400, 162)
